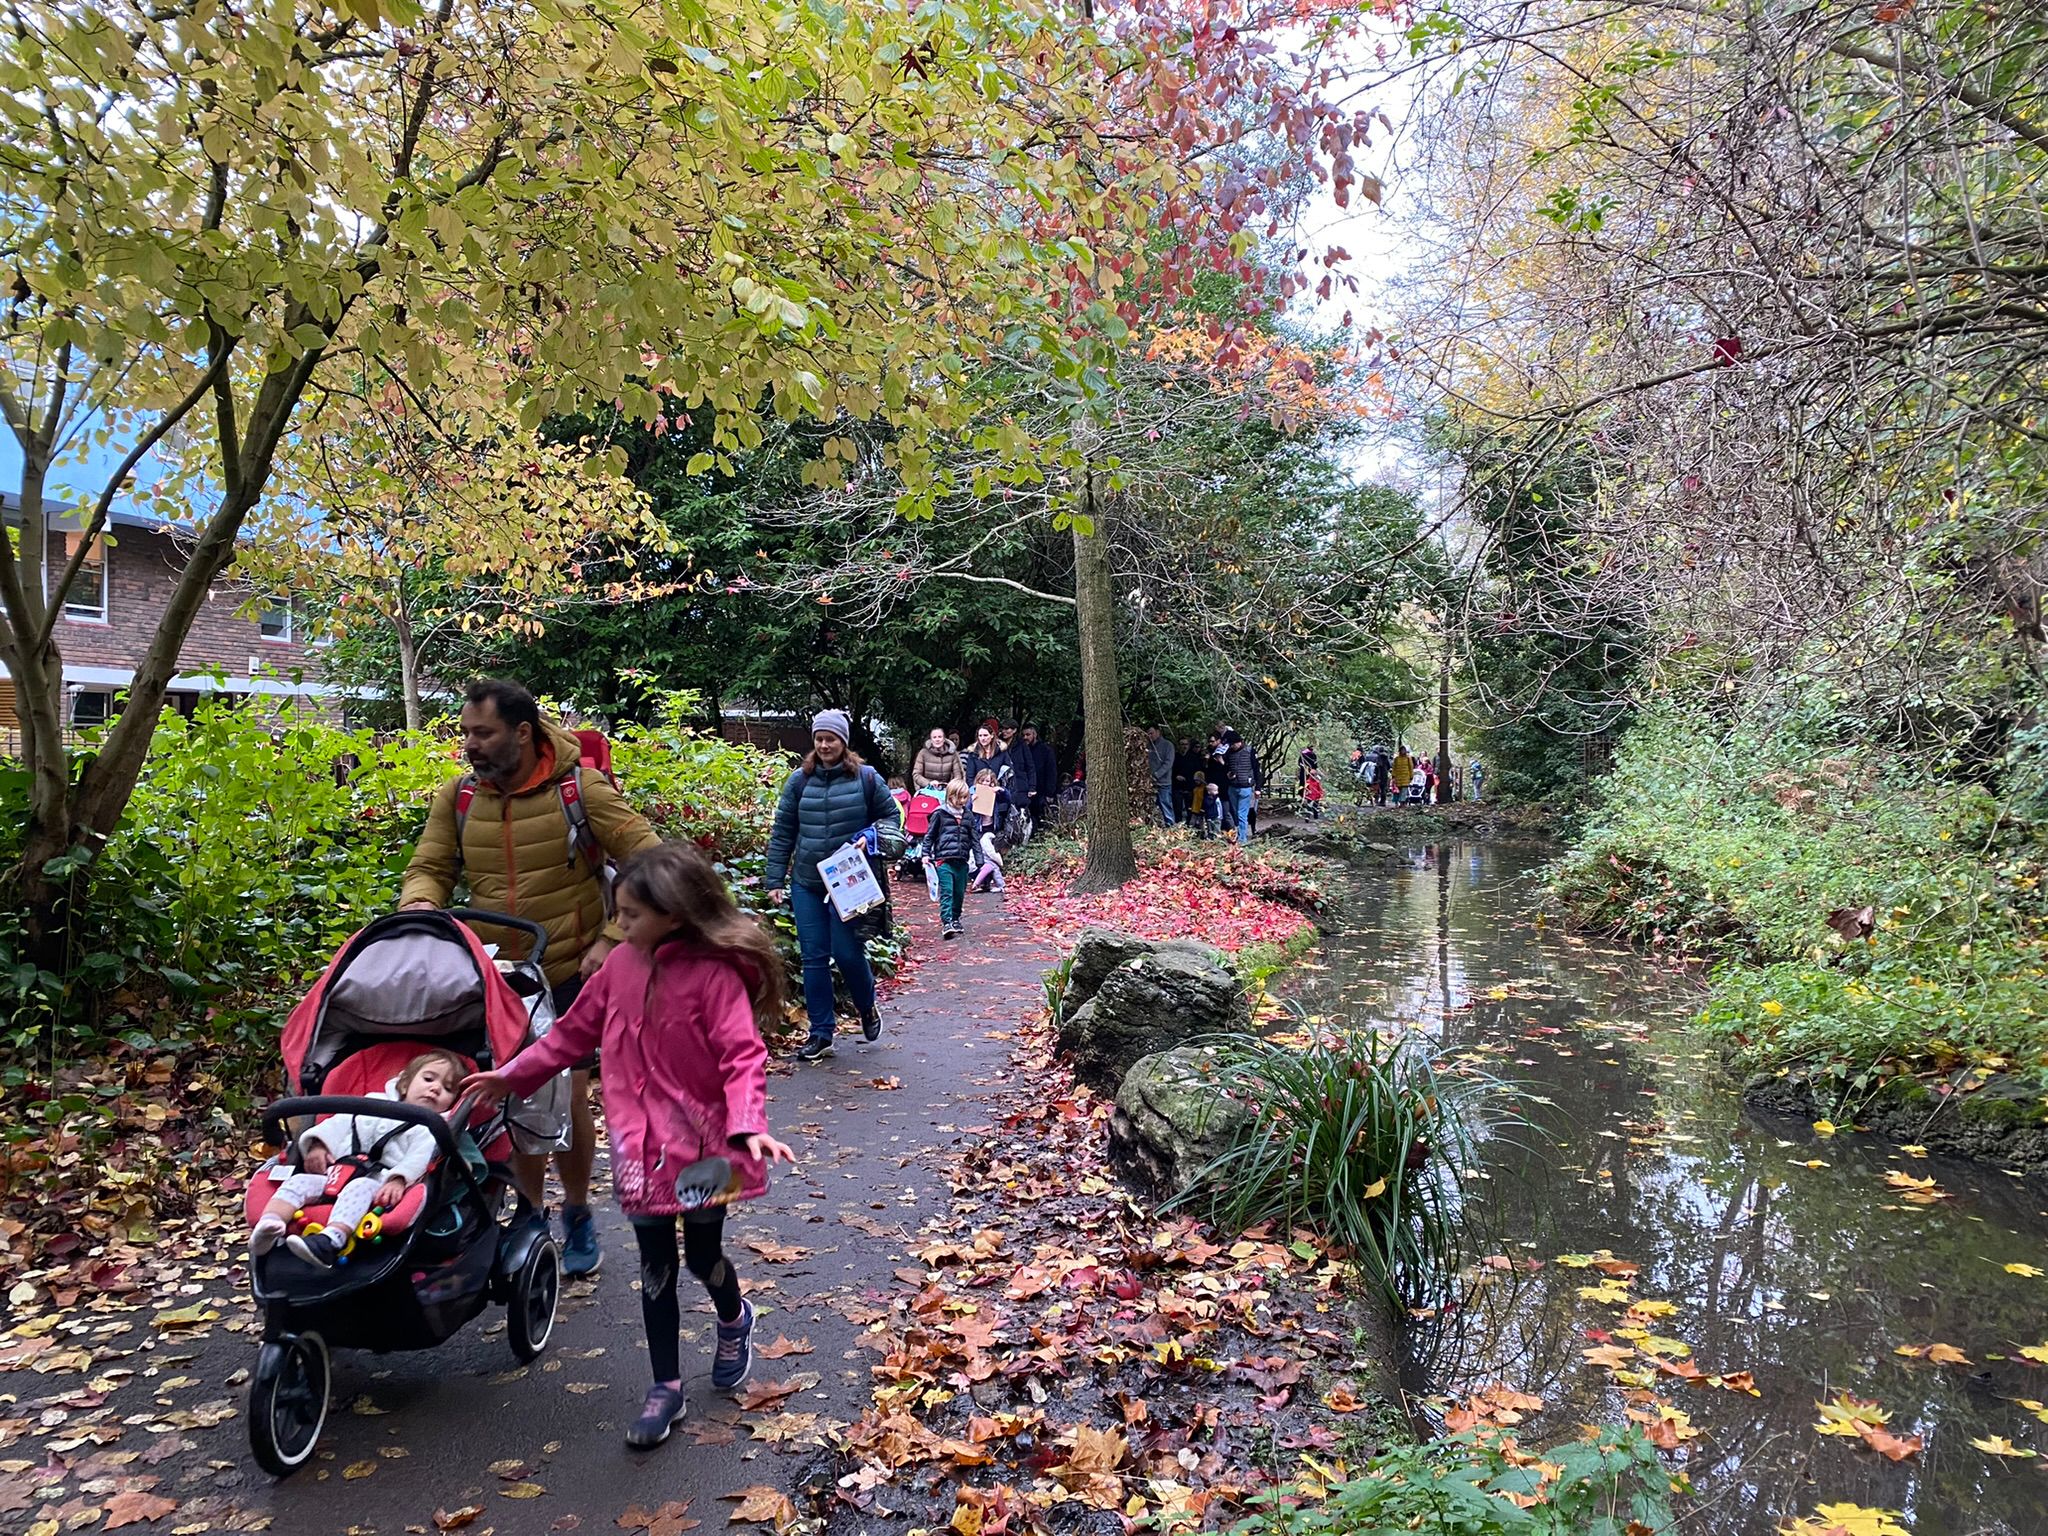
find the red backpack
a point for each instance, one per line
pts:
(595, 751)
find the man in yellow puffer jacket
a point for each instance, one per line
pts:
(519, 856)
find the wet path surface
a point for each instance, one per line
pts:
(1804, 1259)
(541, 1448)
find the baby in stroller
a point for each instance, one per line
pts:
(344, 1154)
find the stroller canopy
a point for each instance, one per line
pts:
(414, 975)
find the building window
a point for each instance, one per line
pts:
(275, 622)
(91, 709)
(87, 598)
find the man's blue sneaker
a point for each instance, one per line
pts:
(580, 1252)
(735, 1355)
(817, 1048)
(663, 1410)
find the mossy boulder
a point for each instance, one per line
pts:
(1173, 1119)
(1103, 950)
(1154, 997)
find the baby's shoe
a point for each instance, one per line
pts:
(265, 1235)
(319, 1250)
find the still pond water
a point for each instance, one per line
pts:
(1783, 1253)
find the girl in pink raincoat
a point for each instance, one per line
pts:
(685, 1078)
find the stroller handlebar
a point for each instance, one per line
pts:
(525, 925)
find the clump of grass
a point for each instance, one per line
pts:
(1479, 1484)
(1056, 981)
(1362, 1138)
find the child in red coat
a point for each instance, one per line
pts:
(685, 1081)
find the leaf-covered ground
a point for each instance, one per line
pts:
(1190, 1366)
(1186, 888)
(1058, 1350)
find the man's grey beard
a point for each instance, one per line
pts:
(492, 771)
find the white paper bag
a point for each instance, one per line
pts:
(849, 881)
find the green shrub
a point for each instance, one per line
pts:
(1361, 1138)
(244, 859)
(1743, 844)
(1470, 1485)
(694, 785)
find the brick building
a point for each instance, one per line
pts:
(113, 610)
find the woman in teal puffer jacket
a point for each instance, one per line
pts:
(829, 801)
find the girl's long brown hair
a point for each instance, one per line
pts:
(677, 880)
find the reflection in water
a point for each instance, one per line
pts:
(1784, 1253)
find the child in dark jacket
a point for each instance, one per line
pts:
(948, 841)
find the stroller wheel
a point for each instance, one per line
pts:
(530, 1314)
(288, 1402)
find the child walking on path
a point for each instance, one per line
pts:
(685, 1071)
(948, 841)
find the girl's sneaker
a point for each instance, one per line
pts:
(664, 1409)
(817, 1048)
(871, 1025)
(735, 1353)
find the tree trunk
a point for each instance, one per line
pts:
(38, 676)
(1443, 723)
(408, 660)
(1111, 859)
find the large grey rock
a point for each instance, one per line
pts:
(1157, 999)
(1172, 1119)
(1102, 950)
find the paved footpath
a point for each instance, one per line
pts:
(541, 1448)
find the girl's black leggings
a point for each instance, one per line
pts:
(703, 1256)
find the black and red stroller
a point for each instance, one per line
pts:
(416, 1273)
(917, 820)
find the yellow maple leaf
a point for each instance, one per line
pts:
(2025, 1269)
(1848, 1520)
(1940, 1354)
(1847, 1415)
(1998, 1445)
(2035, 1352)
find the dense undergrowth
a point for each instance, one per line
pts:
(1867, 913)
(1483, 1483)
(256, 842)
